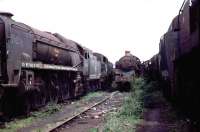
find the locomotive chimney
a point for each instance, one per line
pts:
(127, 53)
(7, 14)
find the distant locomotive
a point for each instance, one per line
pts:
(125, 70)
(106, 71)
(37, 67)
(177, 61)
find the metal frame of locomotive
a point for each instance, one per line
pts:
(37, 67)
(177, 61)
(125, 70)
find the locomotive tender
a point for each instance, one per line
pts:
(177, 61)
(37, 67)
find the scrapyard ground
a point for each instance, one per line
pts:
(93, 120)
(51, 114)
(143, 109)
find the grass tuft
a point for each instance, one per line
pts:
(23, 122)
(131, 112)
(92, 95)
(44, 112)
(93, 130)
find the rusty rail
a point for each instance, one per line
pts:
(61, 123)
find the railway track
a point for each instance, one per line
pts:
(53, 125)
(85, 110)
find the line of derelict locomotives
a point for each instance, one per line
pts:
(176, 65)
(38, 67)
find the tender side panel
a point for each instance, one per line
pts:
(2, 52)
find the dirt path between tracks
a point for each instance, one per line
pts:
(93, 120)
(159, 116)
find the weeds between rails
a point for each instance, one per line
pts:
(131, 111)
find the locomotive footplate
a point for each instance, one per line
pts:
(30, 65)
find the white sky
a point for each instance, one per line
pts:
(106, 26)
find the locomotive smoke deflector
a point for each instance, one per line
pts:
(7, 14)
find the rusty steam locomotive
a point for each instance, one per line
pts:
(125, 70)
(176, 64)
(37, 67)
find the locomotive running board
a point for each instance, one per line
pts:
(28, 65)
(9, 85)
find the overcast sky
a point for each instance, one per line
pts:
(106, 26)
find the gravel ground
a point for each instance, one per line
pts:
(93, 120)
(66, 112)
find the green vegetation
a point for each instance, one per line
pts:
(48, 110)
(93, 130)
(89, 96)
(19, 123)
(130, 113)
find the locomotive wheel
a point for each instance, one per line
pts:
(72, 90)
(96, 85)
(26, 105)
(38, 100)
(64, 92)
(42, 96)
(54, 95)
(53, 92)
(8, 102)
(99, 85)
(41, 100)
(93, 86)
(38, 96)
(87, 86)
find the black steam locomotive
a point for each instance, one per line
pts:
(37, 67)
(125, 70)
